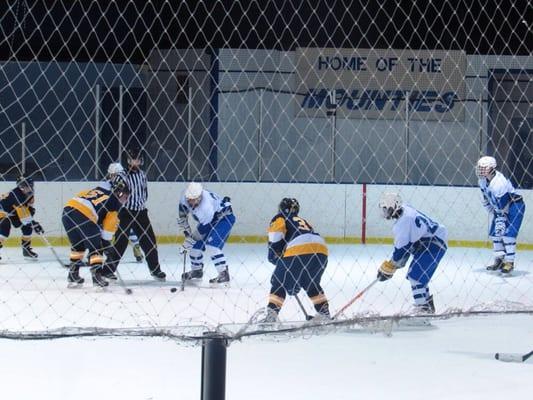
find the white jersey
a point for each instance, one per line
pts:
(497, 193)
(205, 212)
(412, 228)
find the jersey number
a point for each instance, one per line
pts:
(302, 224)
(95, 196)
(430, 225)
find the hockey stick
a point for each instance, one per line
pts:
(513, 357)
(49, 245)
(358, 295)
(182, 279)
(127, 290)
(307, 316)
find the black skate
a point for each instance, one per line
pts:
(497, 265)
(192, 274)
(222, 278)
(74, 278)
(109, 274)
(507, 267)
(158, 275)
(28, 252)
(137, 253)
(98, 279)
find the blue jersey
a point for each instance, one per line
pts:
(412, 230)
(16, 203)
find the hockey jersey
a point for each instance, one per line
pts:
(498, 193)
(17, 203)
(293, 236)
(100, 206)
(412, 231)
(207, 213)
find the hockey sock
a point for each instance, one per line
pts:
(510, 248)
(498, 247)
(197, 259)
(218, 258)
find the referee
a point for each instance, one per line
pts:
(134, 215)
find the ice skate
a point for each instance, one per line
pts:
(496, 265)
(74, 278)
(192, 274)
(158, 275)
(137, 253)
(28, 252)
(98, 279)
(221, 279)
(507, 268)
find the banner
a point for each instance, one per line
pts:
(375, 83)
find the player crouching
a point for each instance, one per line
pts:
(16, 209)
(300, 256)
(90, 220)
(418, 235)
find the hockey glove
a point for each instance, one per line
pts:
(37, 227)
(386, 271)
(187, 245)
(499, 226)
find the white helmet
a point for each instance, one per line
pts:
(390, 203)
(485, 167)
(115, 168)
(193, 191)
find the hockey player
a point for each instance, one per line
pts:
(507, 210)
(418, 235)
(215, 219)
(112, 170)
(90, 220)
(300, 256)
(16, 209)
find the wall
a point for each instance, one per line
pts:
(334, 210)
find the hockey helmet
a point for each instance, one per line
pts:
(390, 204)
(25, 183)
(115, 168)
(289, 206)
(485, 167)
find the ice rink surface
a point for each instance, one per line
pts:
(453, 359)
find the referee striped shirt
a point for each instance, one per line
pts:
(138, 186)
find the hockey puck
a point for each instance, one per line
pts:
(173, 290)
(129, 291)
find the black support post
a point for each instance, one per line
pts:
(214, 367)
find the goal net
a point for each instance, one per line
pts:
(332, 104)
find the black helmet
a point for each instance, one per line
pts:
(23, 181)
(289, 206)
(119, 185)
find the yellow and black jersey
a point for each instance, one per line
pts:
(100, 206)
(293, 236)
(17, 204)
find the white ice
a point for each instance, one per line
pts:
(452, 360)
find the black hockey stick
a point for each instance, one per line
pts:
(127, 290)
(513, 357)
(307, 316)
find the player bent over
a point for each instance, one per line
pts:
(507, 209)
(16, 209)
(418, 235)
(215, 219)
(90, 220)
(300, 256)
(113, 170)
